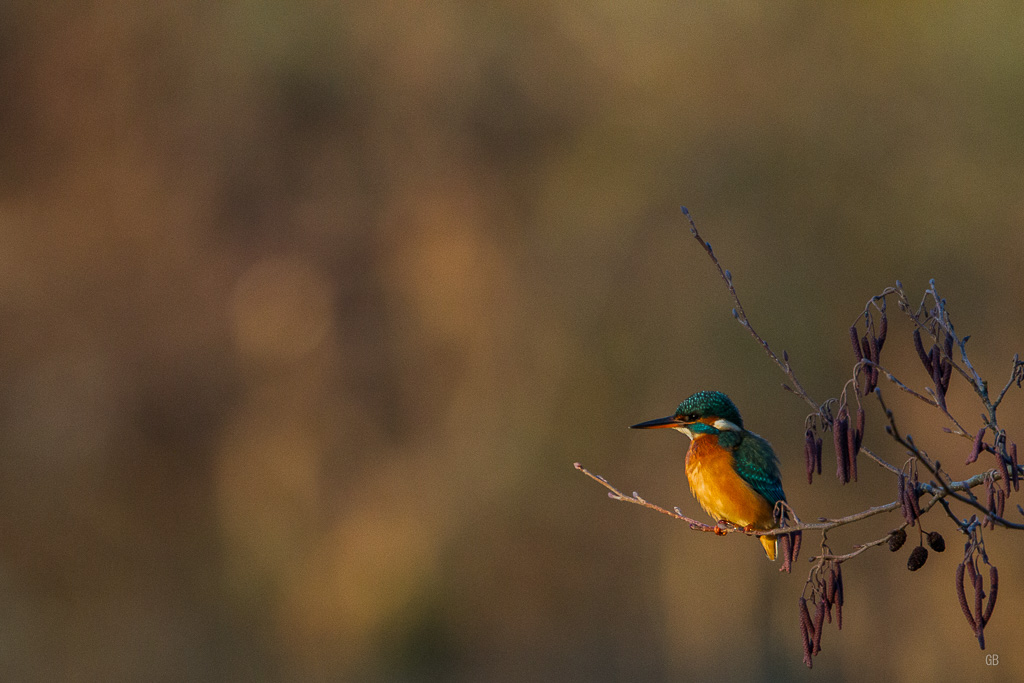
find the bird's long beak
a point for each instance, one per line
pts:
(671, 421)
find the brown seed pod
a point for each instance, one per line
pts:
(809, 454)
(839, 597)
(993, 579)
(904, 499)
(979, 595)
(976, 448)
(839, 428)
(798, 537)
(936, 542)
(856, 435)
(911, 497)
(972, 573)
(937, 372)
(925, 358)
(851, 452)
(918, 556)
(830, 593)
(1013, 461)
(962, 597)
(806, 638)
(819, 622)
(805, 616)
(869, 372)
(785, 545)
(896, 539)
(856, 344)
(1003, 472)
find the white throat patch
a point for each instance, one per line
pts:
(685, 430)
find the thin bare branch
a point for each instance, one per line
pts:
(930, 320)
(741, 315)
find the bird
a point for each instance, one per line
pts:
(733, 473)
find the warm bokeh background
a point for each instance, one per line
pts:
(308, 308)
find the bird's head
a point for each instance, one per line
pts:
(706, 412)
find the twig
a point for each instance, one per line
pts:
(741, 316)
(616, 494)
(1016, 377)
(823, 524)
(948, 488)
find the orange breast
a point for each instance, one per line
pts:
(720, 491)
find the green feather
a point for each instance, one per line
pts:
(755, 462)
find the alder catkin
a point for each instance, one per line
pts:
(839, 597)
(787, 556)
(809, 454)
(993, 579)
(1003, 472)
(806, 638)
(1013, 462)
(911, 497)
(839, 428)
(856, 344)
(925, 358)
(979, 595)
(819, 622)
(805, 616)
(976, 448)
(962, 597)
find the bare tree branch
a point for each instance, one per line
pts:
(930, 321)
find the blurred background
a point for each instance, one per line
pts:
(308, 309)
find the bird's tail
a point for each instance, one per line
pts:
(771, 544)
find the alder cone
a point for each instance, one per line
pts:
(918, 556)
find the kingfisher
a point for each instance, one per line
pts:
(733, 473)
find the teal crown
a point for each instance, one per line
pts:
(709, 404)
